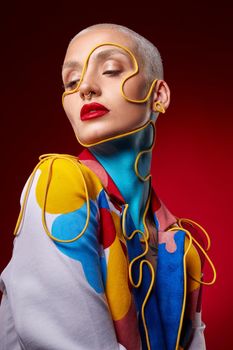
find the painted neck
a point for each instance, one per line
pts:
(126, 162)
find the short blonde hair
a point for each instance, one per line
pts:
(148, 52)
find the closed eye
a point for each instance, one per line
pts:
(112, 72)
(71, 84)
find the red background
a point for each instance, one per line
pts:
(192, 164)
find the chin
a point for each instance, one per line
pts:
(96, 137)
(89, 140)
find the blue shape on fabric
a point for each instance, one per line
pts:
(186, 333)
(170, 288)
(102, 200)
(152, 316)
(156, 222)
(103, 264)
(85, 249)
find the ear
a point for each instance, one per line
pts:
(162, 94)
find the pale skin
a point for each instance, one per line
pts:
(123, 115)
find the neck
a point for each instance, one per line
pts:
(118, 157)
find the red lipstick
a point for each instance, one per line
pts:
(93, 110)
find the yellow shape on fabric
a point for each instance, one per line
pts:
(117, 223)
(64, 184)
(193, 266)
(117, 290)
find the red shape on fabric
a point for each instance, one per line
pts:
(197, 233)
(111, 187)
(127, 329)
(155, 202)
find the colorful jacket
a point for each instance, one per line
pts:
(78, 278)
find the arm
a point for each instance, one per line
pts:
(194, 299)
(54, 289)
(198, 340)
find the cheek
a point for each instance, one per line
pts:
(135, 88)
(125, 112)
(71, 107)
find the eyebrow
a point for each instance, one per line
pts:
(102, 55)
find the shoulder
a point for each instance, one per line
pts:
(195, 250)
(66, 167)
(193, 262)
(63, 182)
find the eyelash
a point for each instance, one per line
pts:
(75, 82)
(71, 84)
(112, 72)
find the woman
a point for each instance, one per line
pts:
(99, 262)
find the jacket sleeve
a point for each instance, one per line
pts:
(53, 294)
(193, 315)
(198, 339)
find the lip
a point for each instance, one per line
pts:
(93, 110)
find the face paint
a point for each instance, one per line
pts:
(122, 89)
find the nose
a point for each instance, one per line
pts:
(89, 87)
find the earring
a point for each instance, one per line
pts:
(158, 107)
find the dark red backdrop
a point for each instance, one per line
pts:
(192, 166)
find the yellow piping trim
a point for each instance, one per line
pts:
(185, 281)
(191, 240)
(142, 152)
(192, 223)
(202, 250)
(52, 158)
(142, 262)
(136, 70)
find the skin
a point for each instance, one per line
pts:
(123, 115)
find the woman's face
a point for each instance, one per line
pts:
(107, 67)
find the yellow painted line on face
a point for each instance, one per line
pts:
(135, 71)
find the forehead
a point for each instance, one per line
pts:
(81, 45)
